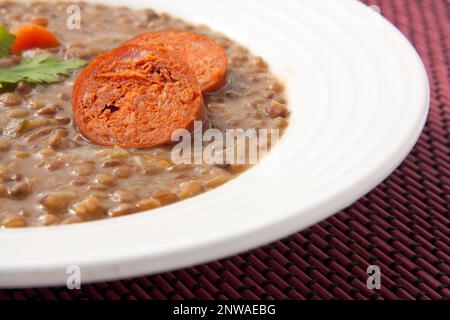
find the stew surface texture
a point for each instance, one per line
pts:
(51, 175)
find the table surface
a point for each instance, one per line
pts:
(402, 226)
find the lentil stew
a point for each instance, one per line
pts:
(51, 175)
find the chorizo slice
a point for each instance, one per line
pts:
(206, 58)
(136, 97)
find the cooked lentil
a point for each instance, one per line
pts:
(50, 175)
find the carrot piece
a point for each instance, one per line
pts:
(31, 35)
(206, 58)
(136, 97)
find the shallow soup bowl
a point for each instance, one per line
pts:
(358, 95)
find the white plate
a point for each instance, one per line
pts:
(359, 97)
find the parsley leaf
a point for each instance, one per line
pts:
(43, 68)
(6, 41)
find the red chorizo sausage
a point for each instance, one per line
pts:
(135, 97)
(206, 58)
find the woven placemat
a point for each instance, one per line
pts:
(402, 226)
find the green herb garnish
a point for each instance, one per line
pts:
(6, 41)
(43, 68)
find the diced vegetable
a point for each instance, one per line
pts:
(13, 128)
(6, 41)
(115, 153)
(31, 35)
(16, 127)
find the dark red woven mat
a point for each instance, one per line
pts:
(403, 226)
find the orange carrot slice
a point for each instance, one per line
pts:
(31, 35)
